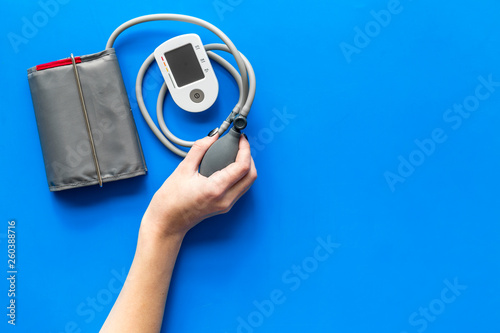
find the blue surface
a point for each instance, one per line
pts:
(337, 113)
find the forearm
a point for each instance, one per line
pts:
(140, 305)
(183, 200)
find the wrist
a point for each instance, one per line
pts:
(154, 248)
(156, 231)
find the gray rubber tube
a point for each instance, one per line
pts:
(246, 82)
(163, 92)
(188, 19)
(226, 65)
(249, 95)
(163, 133)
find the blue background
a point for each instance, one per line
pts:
(351, 120)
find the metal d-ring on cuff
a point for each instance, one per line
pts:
(89, 131)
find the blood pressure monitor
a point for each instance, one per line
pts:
(187, 72)
(189, 76)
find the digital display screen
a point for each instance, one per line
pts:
(184, 65)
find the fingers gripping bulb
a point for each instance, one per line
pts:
(222, 153)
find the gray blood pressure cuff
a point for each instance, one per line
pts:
(86, 128)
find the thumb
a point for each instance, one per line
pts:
(195, 155)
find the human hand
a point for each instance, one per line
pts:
(187, 197)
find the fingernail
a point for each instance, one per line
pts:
(213, 132)
(246, 137)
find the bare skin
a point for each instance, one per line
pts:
(184, 200)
